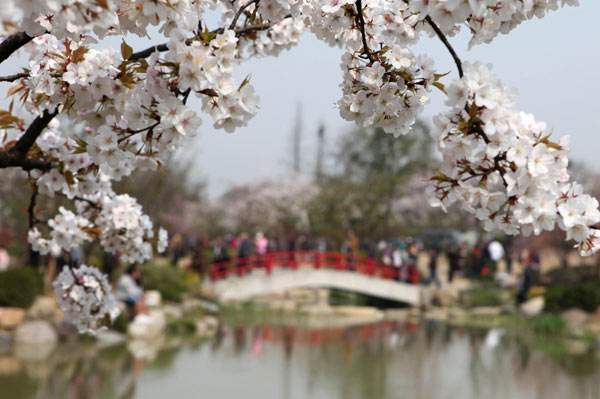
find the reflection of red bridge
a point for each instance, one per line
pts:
(317, 260)
(241, 279)
(325, 336)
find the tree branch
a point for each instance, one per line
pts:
(20, 149)
(442, 37)
(12, 78)
(240, 11)
(360, 22)
(31, 208)
(9, 160)
(12, 43)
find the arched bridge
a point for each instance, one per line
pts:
(244, 278)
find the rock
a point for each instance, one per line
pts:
(316, 310)
(396, 314)
(436, 314)
(207, 326)
(533, 307)
(575, 318)
(146, 349)
(487, 310)
(446, 297)
(191, 304)
(172, 312)
(35, 340)
(358, 311)
(11, 318)
(67, 331)
(9, 365)
(152, 298)
(36, 332)
(5, 341)
(108, 338)
(147, 326)
(576, 347)
(44, 308)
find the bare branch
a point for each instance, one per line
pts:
(12, 43)
(442, 37)
(20, 149)
(147, 52)
(12, 78)
(360, 22)
(240, 12)
(31, 209)
(10, 160)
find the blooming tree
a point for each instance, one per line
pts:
(500, 164)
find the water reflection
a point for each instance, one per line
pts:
(271, 360)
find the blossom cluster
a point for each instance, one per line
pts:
(502, 166)
(129, 109)
(485, 18)
(116, 220)
(86, 298)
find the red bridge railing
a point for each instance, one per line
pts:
(318, 260)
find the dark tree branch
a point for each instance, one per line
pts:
(12, 43)
(360, 22)
(31, 209)
(91, 203)
(12, 78)
(240, 12)
(20, 149)
(9, 160)
(147, 52)
(442, 37)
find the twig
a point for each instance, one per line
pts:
(360, 19)
(31, 209)
(442, 37)
(12, 78)
(91, 203)
(240, 11)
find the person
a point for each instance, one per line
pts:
(397, 260)
(526, 280)
(496, 253)
(353, 246)
(453, 262)
(129, 290)
(4, 259)
(220, 252)
(433, 268)
(244, 251)
(261, 242)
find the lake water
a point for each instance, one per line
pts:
(386, 360)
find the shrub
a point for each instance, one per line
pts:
(585, 296)
(167, 280)
(489, 296)
(548, 324)
(121, 322)
(19, 286)
(570, 275)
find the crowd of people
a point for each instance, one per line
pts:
(481, 260)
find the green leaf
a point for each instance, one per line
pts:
(440, 86)
(126, 50)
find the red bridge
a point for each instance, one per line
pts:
(316, 260)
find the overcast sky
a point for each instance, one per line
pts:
(553, 62)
